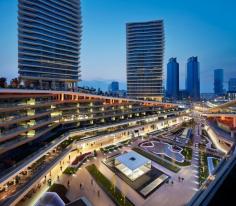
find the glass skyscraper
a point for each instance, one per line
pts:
(172, 83)
(193, 78)
(218, 81)
(232, 85)
(49, 34)
(113, 87)
(145, 48)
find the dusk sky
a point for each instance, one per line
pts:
(206, 29)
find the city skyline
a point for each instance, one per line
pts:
(64, 141)
(180, 43)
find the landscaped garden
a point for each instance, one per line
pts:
(172, 153)
(188, 153)
(70, 170)
(216, 161)
(112, 191)
(163, 148)
(81, 158)
(203, 167)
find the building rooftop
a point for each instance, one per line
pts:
(50, 199)
(132, 160)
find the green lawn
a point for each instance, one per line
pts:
(113, 192)
(188, 153)
(157, 159)
(203, 168)
(215, 161)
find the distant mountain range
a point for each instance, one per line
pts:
(102, 84)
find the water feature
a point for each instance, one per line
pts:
(162, 148)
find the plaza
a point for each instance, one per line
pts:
(143, 181)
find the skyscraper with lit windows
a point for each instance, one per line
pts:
(49, 34)
(145, 50)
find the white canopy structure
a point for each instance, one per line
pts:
(132, 164)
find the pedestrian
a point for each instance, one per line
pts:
(61, 168)
(98, 193)
(172, 182)
(80, 185)
(182, 179)
(179, 178)
(68, 183)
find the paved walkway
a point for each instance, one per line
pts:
(55, 172)
(195, 158)
(88, 189)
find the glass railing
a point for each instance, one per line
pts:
(18, 117)
(27, 127)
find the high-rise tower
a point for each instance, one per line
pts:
(145, 48)
(172, 83)
(219, 81)
(193, 78)
(49, 34)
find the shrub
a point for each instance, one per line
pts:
(70, 170)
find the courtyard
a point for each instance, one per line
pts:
(92, 174)
(130, 189)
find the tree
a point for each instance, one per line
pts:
(3, 82)
(15, 83)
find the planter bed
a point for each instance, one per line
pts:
(113, 192)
